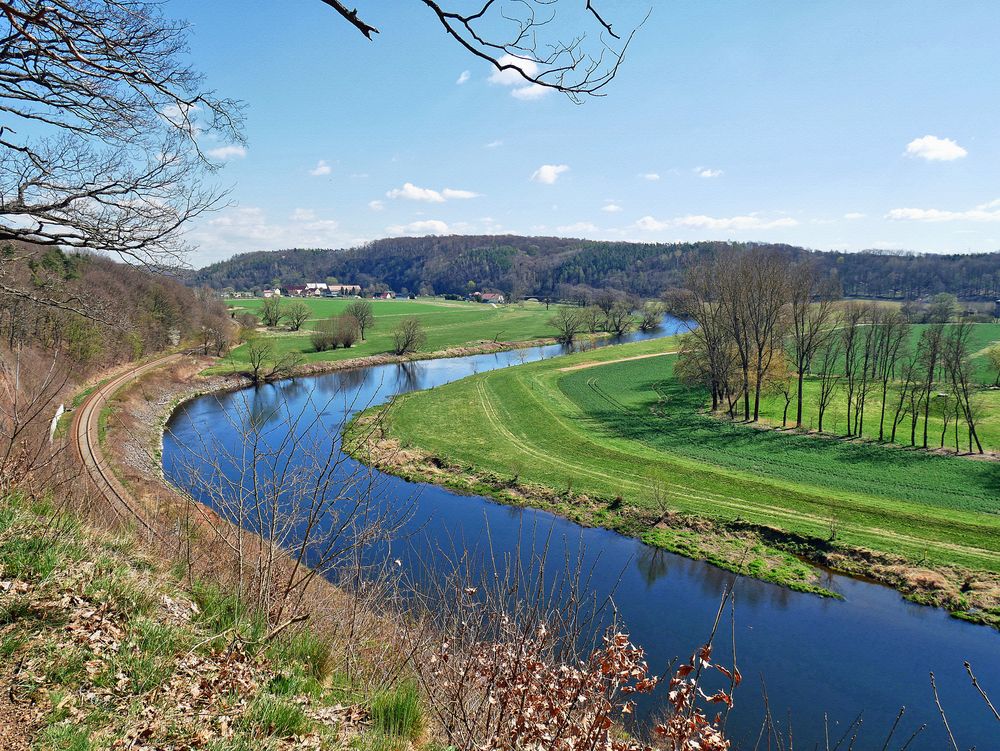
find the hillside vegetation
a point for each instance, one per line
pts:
(564, 268)
(102, 647)
(626, 446)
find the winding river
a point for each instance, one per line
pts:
(870, 652)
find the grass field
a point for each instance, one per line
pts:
(447, 324)
(621, 429)
(835, 420)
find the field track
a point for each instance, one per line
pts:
(590, 364)
(84, 436)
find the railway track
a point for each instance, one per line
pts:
(85, 437)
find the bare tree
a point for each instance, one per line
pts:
(270, 311)
(812, 311)
(892, 341)
(907, 394)
(652, 316)
(958, 366)
(266, 363)
(100, 148)
(409, 336)
(854, 314)
(568, 323)
(929, 348)
(827, 360)
(296, 313)
(592, 318)
(522, 39)
(364, 314)
(619, 320)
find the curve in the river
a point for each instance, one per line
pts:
(870, 652)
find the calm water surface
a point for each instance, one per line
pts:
(870, 652)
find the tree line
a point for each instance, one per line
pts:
(766, 327)
(561, 268)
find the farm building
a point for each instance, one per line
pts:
(491, 297)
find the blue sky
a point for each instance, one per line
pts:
(835, 125)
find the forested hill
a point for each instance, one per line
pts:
(553, 266)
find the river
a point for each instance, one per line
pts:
(870, 652)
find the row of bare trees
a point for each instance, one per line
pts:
(764, 326)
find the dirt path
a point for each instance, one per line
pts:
(597, 363)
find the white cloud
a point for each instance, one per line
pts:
(511, 77)
(249, 228)
(650, 224)
(548, 173)
(494, 144)
(411, 192)
(651, 176)
(522, 88)
(529, 93)
(321, 168)
(984, 212)
(223, 153)
(423, 227)
(935, 149)
(719, 224)
(450, 193)
(707, 172)
(465, 76)
(376, 205)
(852, 215)
(577, 228)
(611, 207)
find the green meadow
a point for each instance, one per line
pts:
(446, 323)
(621, 429)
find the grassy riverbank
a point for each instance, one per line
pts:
(625, 446)
(101, 647)
(448, 324)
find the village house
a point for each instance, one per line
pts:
(384, 296)
(267, 293)
(343, 290)
(495, 298)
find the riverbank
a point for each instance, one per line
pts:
(617, 446)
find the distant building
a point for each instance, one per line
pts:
(295, 290)
(343, 290)
(495, 298)
(384, 296)
(271, 293)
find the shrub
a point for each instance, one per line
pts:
(397, 711)
(269, 715)
(324, 337)
(409, 336)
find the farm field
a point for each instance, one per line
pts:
(446, 323)
(624, 428)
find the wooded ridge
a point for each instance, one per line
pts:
(560, 267)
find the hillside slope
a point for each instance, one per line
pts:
(552, 266)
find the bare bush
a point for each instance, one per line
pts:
(288, 506)
(409, 336)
